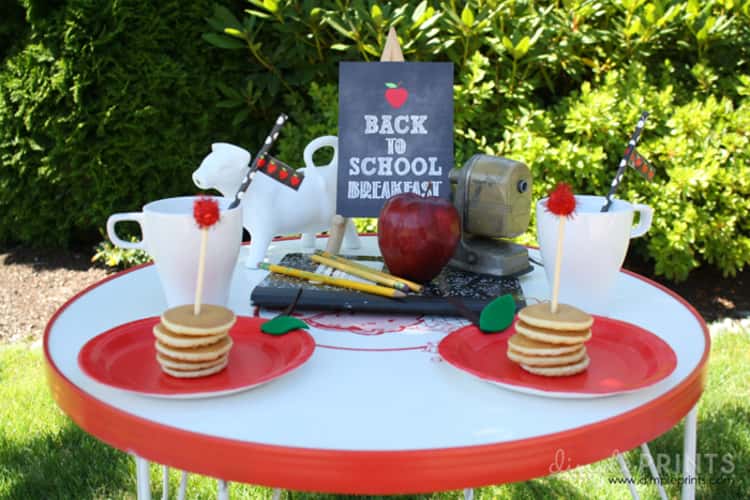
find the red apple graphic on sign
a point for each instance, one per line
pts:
(417, 235)
(395, 95)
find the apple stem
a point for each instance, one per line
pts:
(430, 189)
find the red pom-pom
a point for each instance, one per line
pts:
(205, 212)
(561, 200)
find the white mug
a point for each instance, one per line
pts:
(172, 237)
(594, 248)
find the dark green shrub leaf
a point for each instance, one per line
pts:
(223, 42)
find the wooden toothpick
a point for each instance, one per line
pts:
(558, 264)
(201, 273)
(562, 203)
(206, 214)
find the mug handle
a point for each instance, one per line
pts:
(129, 216)
(318, 143)
(647, 214)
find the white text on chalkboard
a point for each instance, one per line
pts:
(395, 133)
(393, 166)
(382, 190)
(402, 124)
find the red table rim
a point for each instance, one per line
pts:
(374, 472)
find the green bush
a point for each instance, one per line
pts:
(109, 255)
(557, 85)
(12, 26)
(105, 105)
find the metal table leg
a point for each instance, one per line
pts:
(654, 471)
(143, 481)
(689, 449)
(628, 477)
(164, 482)
(223, 493)
(183, 486)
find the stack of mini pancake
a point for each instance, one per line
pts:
(190, 345)
(551, 344)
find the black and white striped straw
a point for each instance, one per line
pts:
(272, 136)
(624, 162)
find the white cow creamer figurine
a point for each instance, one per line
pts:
(270, 208)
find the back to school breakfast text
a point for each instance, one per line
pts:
(395, 172)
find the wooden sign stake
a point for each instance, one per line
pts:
(391, 53)
(392, 50)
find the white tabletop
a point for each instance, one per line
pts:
(375, 394)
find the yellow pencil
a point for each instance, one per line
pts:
(362, 273)
(329, 280)
(412, 286)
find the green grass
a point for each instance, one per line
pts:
(43, 455)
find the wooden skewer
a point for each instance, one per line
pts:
(558, 264)
(201, 273)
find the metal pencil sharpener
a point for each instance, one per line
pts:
(493, 199)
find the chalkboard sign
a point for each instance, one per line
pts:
(395, 133)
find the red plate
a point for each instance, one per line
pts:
(624, 358)
(125, 357)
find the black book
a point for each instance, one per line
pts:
(475, 291)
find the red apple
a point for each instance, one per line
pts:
(395, 95)
(417, 235)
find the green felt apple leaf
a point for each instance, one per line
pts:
(498, 314)
(281, 325)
